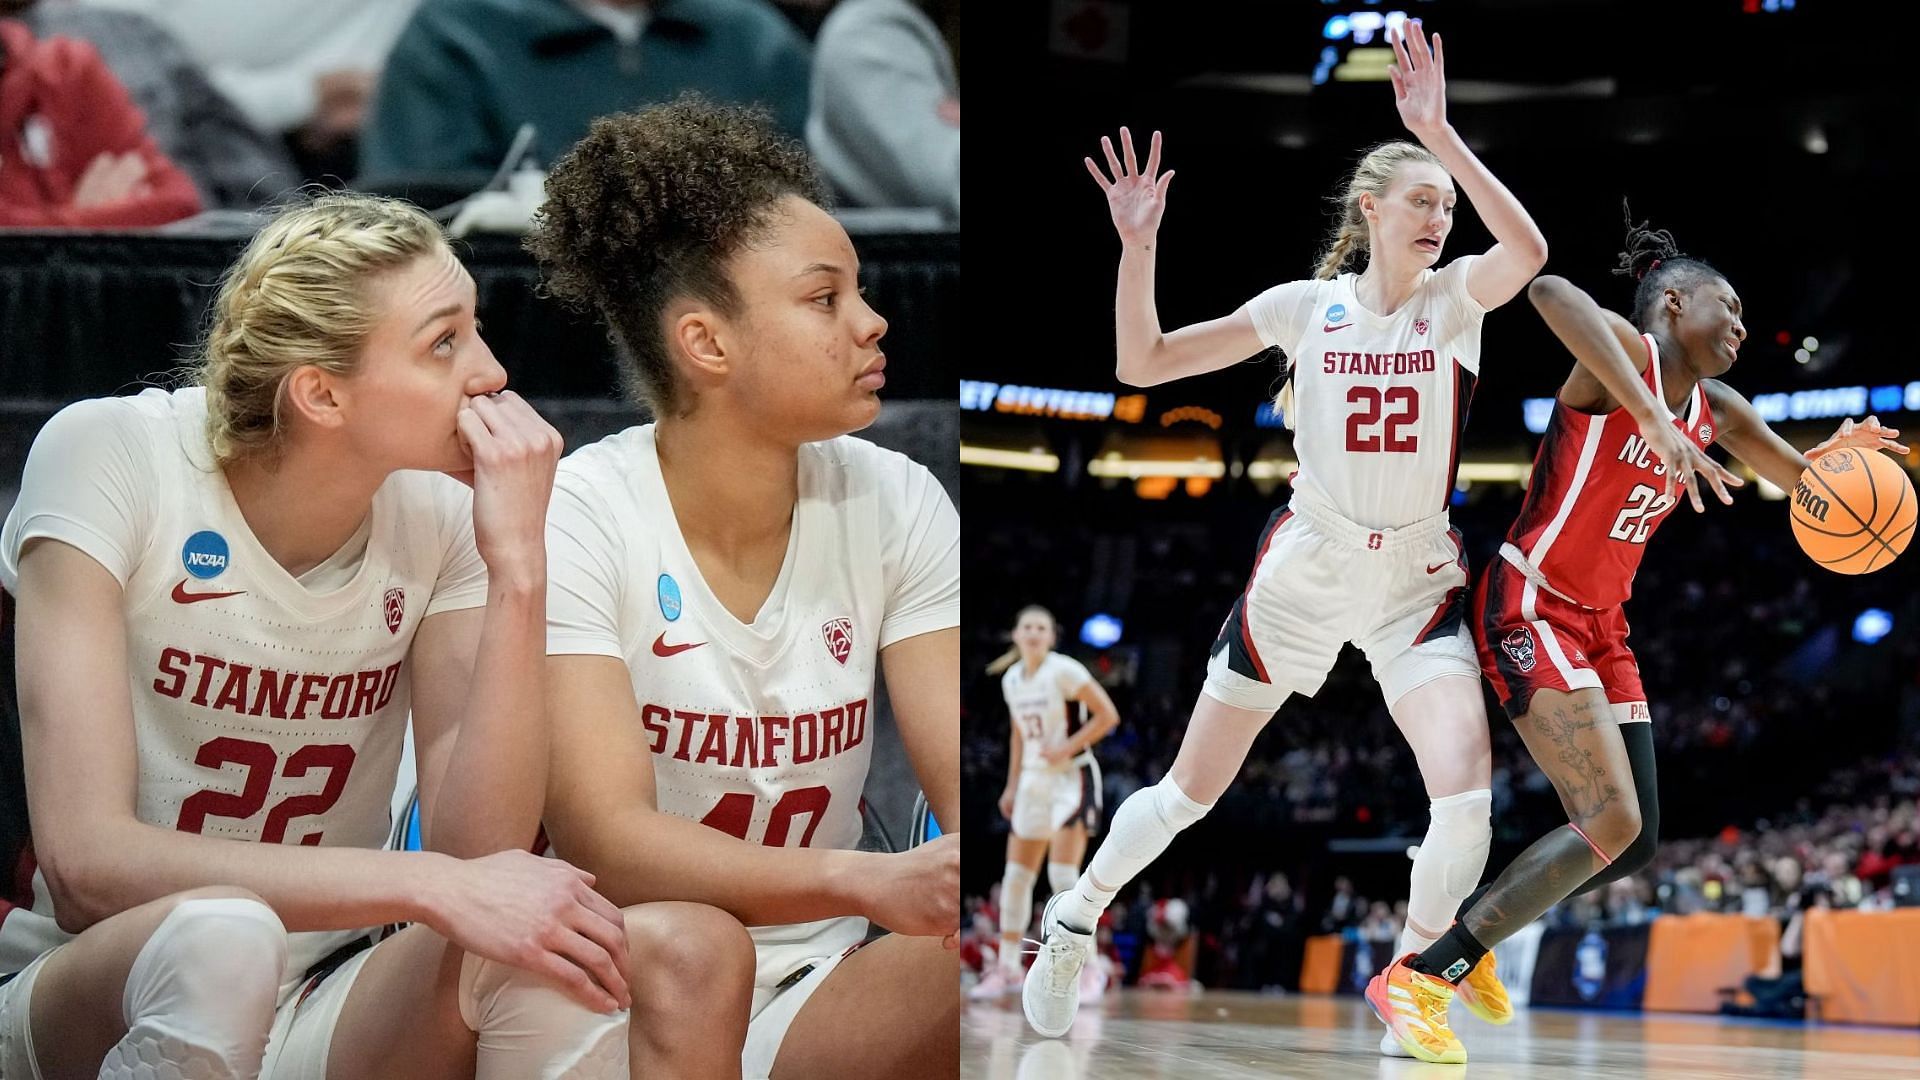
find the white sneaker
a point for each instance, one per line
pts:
(1052, 990)
(997, 983)
(1093, 981)
(1390, 1047)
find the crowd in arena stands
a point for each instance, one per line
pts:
(1763, 705)
(130, 113)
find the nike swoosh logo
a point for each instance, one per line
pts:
(1435, 568)
(661, 648)
(182, 596)
(1331, 329)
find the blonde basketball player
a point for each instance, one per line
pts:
(229, 597)
(1053, 785)
(1383, 364)
(726, 582)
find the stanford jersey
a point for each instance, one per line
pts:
(1595, 498)
(1042, 707)
(266, 708)
(1379, 401)
(761, 729)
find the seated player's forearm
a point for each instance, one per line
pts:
(639, 856)
(122, 865)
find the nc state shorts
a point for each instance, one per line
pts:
(1531, 639)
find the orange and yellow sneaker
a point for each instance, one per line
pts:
(1483, 995)
(1414, 1008)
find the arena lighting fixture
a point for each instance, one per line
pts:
(1270, 469)
(1116, 467)
(1128, 455)
(1364, 65)
(1872, 625)
(1496, 472)
(1035, 460)
(1100, 631)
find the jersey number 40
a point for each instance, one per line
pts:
(734, 813)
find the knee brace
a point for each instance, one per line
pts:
(1452, 856)
(1016, 900)
(1061, 876)
(200, 996)
(528, 1029)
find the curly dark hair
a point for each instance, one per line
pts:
(1653, 260)
(650, 208)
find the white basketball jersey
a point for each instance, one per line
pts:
(1041, 705)
(763, 730)
(1379, 401)
(265, 711)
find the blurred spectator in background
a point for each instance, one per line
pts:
(466, 74)
(73, 150)
(231, 163)
(885, 112)
(301, 71)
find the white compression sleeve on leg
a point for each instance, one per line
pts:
(1062, 875)
(1448, 867)
(1016, 911)
(530, 1030)
(1142, 828)
(200, 995)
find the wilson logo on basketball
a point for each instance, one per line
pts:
(1519, 645)
(395, 605)
(839, 637)
(1812, 505)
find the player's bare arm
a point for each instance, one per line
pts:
(1419, 77)
(477, 673)
(1103, 718)
(1748, 438)
(1145, 356)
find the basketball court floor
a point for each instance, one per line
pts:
(1229, 1035)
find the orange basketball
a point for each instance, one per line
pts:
(1854, 510)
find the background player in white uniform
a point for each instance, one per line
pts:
(1382, 365)
(1053, 784)
(228, 598)
(727, 579)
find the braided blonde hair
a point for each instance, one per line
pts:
(1373, 175)
(297, 296)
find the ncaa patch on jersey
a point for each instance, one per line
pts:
(1336, 313)
(1519, 645)
(669, 590)
(205, 554)
(1706, 434)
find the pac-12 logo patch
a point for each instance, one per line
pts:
(1519, 645)
(395, 607)
(1336, 313)
(205, 554)
(1420, 326)
(839, 637)
(669, 590)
